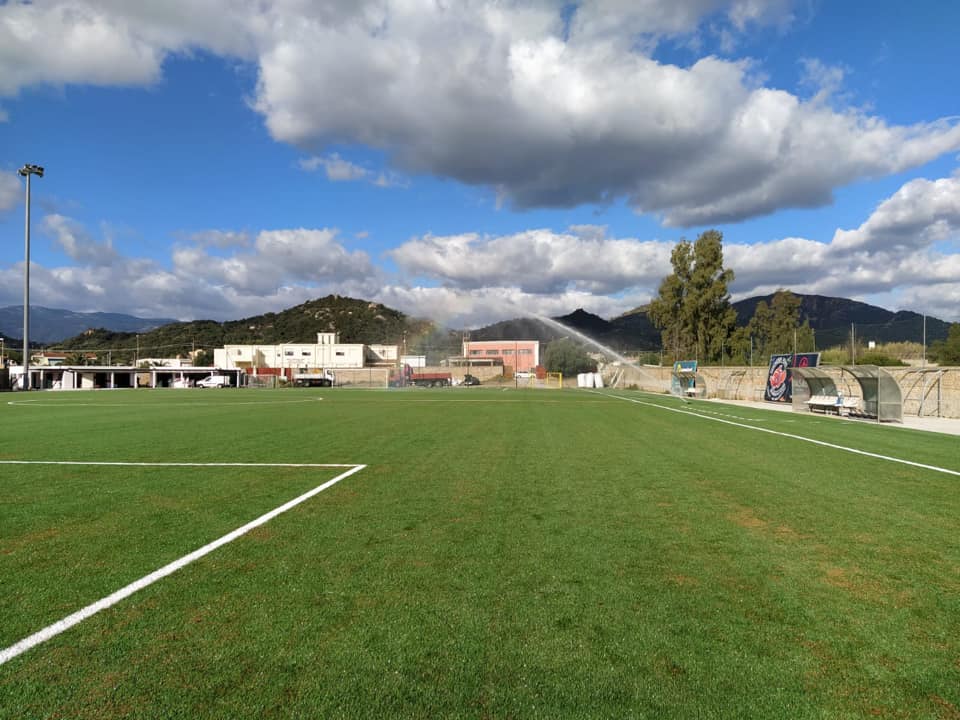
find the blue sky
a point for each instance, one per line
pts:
(471, 162)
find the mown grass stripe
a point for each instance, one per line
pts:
(51, 631)
(822, 443)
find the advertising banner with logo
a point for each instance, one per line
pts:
(780, 378)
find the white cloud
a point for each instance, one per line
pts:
(482, 306)
(464, 93)
(281, 269)
(77, 243)
(11, 191)
(503, 95)
(337, 168)
(279, 258)
(920, 213)
(115, 42)
(905, 252)
(536, 261)
(897, 253)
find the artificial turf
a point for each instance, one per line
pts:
(503, 554)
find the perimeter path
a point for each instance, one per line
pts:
(948, 426)
(822, 443)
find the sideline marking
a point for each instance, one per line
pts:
(822, 443)
(68, 622)
(198, 403)
(177, 464)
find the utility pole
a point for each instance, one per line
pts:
(853, 345)
(924, 362)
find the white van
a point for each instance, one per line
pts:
(214, 381)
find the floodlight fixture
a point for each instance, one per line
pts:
(30, 170)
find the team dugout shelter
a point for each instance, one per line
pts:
(864, 390)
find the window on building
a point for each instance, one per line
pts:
(476, 352)
(288, 353)
(508, 352)
(305, 353)
(340, 353)
(493, 352)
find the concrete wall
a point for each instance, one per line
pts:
(939, 390)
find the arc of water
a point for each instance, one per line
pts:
(648, 381)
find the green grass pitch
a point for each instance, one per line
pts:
(503, 554)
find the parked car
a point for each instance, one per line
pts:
(469, 379)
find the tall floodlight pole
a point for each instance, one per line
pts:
(26, 171)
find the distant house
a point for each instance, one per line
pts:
(55, 359)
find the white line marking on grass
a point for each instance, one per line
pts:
(177, 464)
(68, 622)
(822, 443)
(138, 405)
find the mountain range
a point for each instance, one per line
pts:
(50, 325)
(371, 322)
(830, 318)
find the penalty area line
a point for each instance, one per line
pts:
(821, 443)
(120, 463)
(68, 622)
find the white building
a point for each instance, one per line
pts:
(328, 354)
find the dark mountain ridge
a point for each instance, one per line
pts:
(370, 322)
(49, 325)
(830, 317)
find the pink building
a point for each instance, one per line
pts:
(515, 355)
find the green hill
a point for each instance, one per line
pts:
(357, 321)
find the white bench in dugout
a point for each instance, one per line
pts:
(834, 403)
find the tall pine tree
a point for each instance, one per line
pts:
(692, 309)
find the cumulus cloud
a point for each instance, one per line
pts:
(337, 168)
(79, 245)
(279, 257)
(537, 261)
(920, 213)
(280, 269)
(554, 121)
(903, 253)
(11, 190)
(458, 308)
(549, 107)
(113, 42)
(896, 253)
